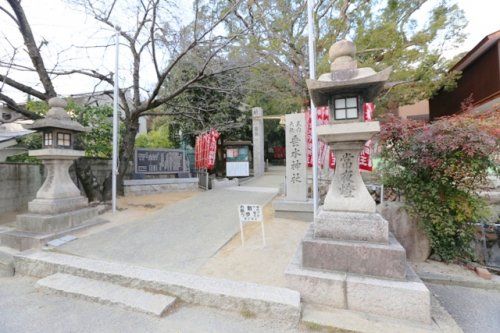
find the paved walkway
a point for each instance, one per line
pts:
(475, 310)
(182, 236)
(24, 309)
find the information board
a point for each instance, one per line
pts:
(237, 169)
(158, 161)
(251, 213)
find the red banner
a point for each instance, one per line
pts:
(205, 149)
(365, 162)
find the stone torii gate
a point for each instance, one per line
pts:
(258, 139)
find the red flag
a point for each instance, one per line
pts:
(368, 110)
(365, 161)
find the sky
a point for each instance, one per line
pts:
(64, 26)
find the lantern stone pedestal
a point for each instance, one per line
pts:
(348, 259)
(59, 208)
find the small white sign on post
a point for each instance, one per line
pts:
(251, 213)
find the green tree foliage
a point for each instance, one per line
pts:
(438, 168)
(96, 142)
(216, 101)
(157, 138)
(410, 35)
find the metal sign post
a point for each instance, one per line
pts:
(115, 123)
(314, 117)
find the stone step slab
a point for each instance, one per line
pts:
(107, 293)
(278, 303)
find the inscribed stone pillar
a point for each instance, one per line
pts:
(258, 141)
(296, 168)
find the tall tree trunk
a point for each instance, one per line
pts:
(127, 150)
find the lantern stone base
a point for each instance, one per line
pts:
(384, 260)
(407, 299)
(295, 210)
(57, 205)
(48, 227)
(354, 226)
(43, 223)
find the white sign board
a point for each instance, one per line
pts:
(237, 169)
(251, 213)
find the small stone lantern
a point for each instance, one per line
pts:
(58, 193)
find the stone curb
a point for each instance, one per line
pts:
(456, 281)
(279, 303)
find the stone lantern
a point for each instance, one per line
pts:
(348, 259)
(58, 207)
(58, 193)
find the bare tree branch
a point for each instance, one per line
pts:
(33, 50)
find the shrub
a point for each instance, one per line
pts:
(439, 168)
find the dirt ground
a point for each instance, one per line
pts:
(254, 262)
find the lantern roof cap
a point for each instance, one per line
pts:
(57, 117)
(345, 77)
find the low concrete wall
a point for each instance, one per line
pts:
(148, 186)
(18, 185)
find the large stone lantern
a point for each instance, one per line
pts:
(58, 208)
(58, 193)
(348, 259)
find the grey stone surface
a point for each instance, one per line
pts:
(180, 237)
(160, 188)
(19, 184)
(107, 293)
(317, 287)
(23, 310)
(475, 310)
(57, 117)
(24, 240)
(157, 181)
(355, 257)
(6, 262)
(406, 230)
(370, 227)
(295, 210)
(38, 223)
(408, 299)
(347, 191)
(354, 321)
(258, 142)
(296, 164)
(275, 302)
(58, 193)
(225, 182)
(294, 215)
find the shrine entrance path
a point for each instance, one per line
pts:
(182, 236)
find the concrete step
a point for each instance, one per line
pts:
(277, 303)
(107, 293)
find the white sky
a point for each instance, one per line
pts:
(62, 26)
